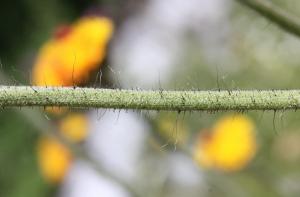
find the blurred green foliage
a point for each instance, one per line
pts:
(19, 172)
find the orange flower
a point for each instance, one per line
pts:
(54, 159)
(74, 52)
(230, 146)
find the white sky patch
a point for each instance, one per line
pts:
(117, 140)
(150, 45)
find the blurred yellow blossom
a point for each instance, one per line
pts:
(230, 146)
(74, 52)
(54, 159)
(74, 127)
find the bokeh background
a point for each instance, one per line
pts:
(170, 44)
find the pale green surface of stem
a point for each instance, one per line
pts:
(22, 96)
(276, 14)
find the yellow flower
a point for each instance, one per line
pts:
(74, 127)
(54, 159)
(68, 58)
(230, 146)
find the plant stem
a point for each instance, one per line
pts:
(281, 17)
(21, 96)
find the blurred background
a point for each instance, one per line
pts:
(149, 44)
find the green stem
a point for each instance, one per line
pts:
(21, 96)
(281, 17)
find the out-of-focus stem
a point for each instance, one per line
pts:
(276, 14)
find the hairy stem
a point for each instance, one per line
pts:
(21, 96)
(276, 14)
